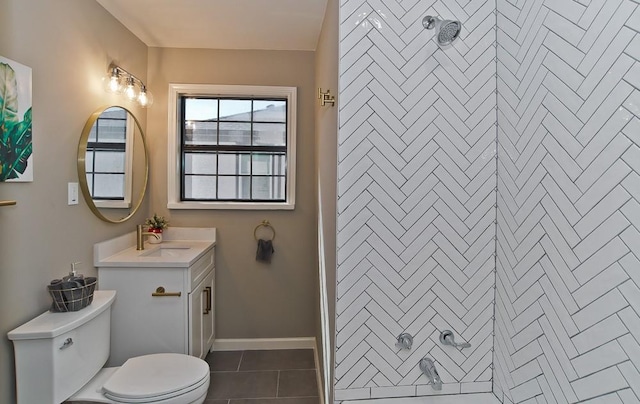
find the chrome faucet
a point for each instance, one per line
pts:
(140, 237)
(429, 369)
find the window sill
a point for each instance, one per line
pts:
(112, 204)
(232, 205)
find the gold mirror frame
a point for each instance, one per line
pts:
(82, 170)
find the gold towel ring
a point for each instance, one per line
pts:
(265, 223)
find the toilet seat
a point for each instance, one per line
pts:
(156, 378)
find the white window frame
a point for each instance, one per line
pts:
(174, 143)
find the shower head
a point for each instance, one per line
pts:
(446, 30)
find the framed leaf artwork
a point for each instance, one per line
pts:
(16, 147)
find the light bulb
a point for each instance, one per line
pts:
(112, 82)
(145, 98)
(130, 90)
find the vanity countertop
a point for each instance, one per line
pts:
(180, 248)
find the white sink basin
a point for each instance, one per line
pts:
(167, 251)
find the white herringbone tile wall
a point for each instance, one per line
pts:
(568, 248)
(416, 197)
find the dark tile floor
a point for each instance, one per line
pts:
(263, 377)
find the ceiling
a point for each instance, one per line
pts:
(222, 24)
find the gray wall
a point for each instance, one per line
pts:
(568, 289)
(253, 300)
(68, 44)
(416, 197)
(326, 161)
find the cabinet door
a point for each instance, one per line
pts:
(140, 322)
(208, 319)
(196, 309)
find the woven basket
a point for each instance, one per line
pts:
(72, 299)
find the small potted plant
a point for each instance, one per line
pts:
(156, 225)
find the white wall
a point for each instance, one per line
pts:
(568, 297)
(416, 197)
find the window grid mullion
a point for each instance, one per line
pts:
(251, 154)
(218, 149)
(98, 146)
(183, 154)
(218, 153)
(93, 162)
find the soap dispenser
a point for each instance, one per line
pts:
(74, 276)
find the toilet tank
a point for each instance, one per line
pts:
(57, 353)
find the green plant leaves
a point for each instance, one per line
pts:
(14, 160)
(8, 97)
(15, 135)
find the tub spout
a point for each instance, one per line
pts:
(429, 369)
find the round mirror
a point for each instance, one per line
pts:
(113, 164)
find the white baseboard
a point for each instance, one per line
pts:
(252, 344)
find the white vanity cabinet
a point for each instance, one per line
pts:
(164, 299)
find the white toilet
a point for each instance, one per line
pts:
(59, 356)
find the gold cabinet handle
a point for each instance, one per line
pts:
(207, 307)
(209, 300)
(7, 203)
(160, 292)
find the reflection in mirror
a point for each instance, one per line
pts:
(108, 165)
(113, 164)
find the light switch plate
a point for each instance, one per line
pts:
(73, 193)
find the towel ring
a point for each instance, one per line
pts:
(265, 223)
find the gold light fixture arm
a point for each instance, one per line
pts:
(7, 203)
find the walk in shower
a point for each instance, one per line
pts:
(489, 185)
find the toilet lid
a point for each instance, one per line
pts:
(155, 376)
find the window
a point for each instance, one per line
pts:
(233, 147)
(107, 159)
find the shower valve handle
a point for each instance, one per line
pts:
(405, 341)
(447, 338)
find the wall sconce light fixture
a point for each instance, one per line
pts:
(326, 98)
(120, 81)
